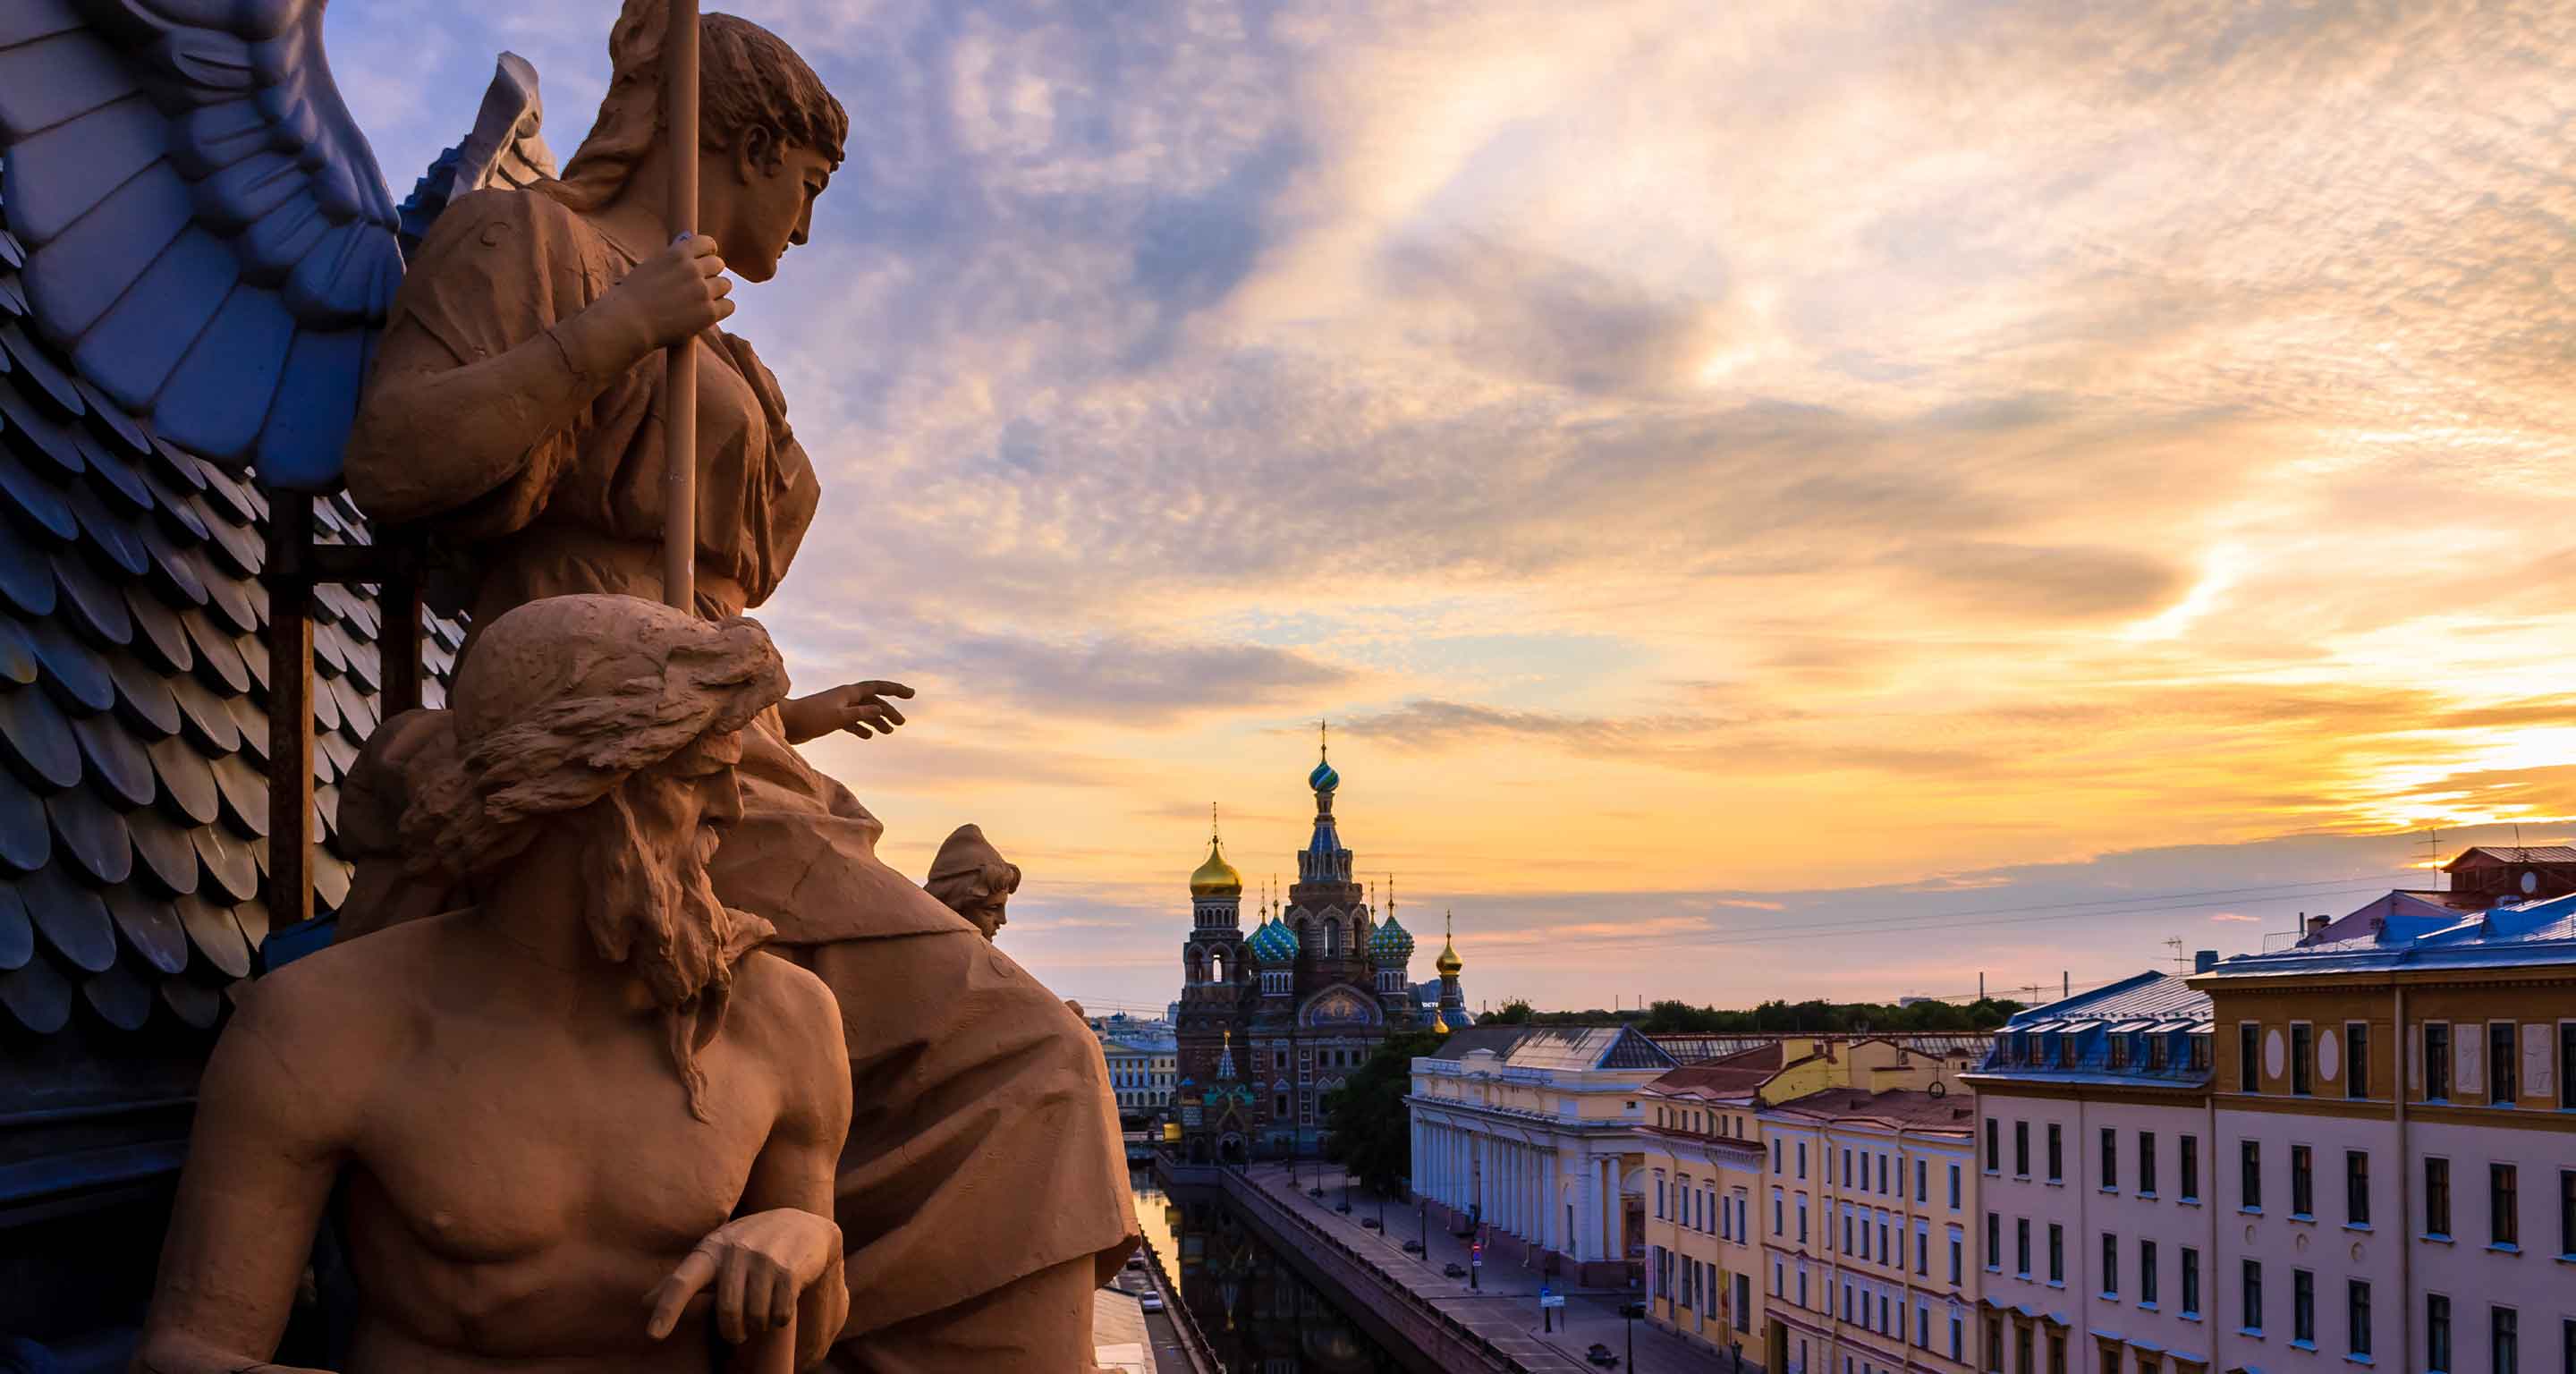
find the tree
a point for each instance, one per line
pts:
(1367, 1129)
(1515, 1012)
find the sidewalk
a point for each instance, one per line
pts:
(1506, 1295)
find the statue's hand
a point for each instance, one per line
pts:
(860, 708)
(759, 1266)
(673, 295)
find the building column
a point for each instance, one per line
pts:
(1614, 1216)
(1552, 1225)
(1587, 1209)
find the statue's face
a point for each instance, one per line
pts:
(687, 802)
(773, 204)
(988, 914)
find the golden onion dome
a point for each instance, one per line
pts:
(1448, 963)
(1216, 877)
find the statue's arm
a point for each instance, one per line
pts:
(261, 1158)
(435, 431)
(797, 1167)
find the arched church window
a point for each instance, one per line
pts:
(1332, 938)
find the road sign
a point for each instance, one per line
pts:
(1551, 1300)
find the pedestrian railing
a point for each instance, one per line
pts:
(1253, 1194)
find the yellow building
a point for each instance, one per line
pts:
(1715, 1198)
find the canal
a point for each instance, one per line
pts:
(1259, 1314)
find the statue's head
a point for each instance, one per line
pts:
(768, 132)
(971, 878)
(607, 728)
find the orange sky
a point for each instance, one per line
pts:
(1860, 454)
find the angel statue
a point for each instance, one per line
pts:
(208, 230)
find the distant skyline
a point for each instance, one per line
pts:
(1725, 471)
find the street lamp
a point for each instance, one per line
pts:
(1632, 1311)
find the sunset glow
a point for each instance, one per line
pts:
(1727, 473)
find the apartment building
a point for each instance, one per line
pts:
(2097, 1232)
(1866, 1252)
(1709, 1165)
(2395, 1128)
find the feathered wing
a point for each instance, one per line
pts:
(209, 238)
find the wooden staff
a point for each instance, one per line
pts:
(680, 367)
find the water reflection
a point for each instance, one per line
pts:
(1258, 1313)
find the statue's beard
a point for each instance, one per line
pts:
(650, 906)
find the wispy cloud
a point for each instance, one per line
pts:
(1815, 447)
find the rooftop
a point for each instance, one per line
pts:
(2401, 931)
(1909, 1108)
(1577, 1048)
(2142, 1029)
(1737, 1075)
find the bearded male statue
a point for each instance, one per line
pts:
(971, 878)
(514, 417)
(574, 1126)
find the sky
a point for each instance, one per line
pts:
(1967, 489)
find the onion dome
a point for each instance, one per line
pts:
(1216, 877)
(1449, 963)
(1391, 945)
(1274, 943)
(1323, 779)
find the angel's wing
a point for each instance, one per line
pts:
(209, 237)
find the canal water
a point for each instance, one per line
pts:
(1258, 1313)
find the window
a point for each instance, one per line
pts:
(1923, 1182)
(2021, 1246)
(2249, 1058)
(1779, 1214)
(2501, 1061)
(2503, 1206)
(2437, 1062)
(1923, 1253)
(1802, 1219)
(2567, 1345)
(2021, 1148)
(1994, 1146)
(1954, 1187)
(2021, 1348)
(2146, 1164)
(1994, 1241)
(1954, 1259)
(2437, 1334)
(2190, 1282)
(2250, 1305)
(2190, 1168)
(2567, 1218)
(1847, 1173)
(1847, 1235)
(2302, 1051)
(2303, 1182)
(2356, 1317)
(1922, 1327)
(2056, 1155)
(2200, 1053)
(1802, 1159)
(2437, 1198)
(1775, 1157)
(2504, 1340)
(2056, 1253)
(2249, 1187)
(1955, 1335)
(2303, 1307)
(2356, 1188)
(2110, 1265)
(2147, 1276)
(2110, 1159)
(2056, 1352)
(1994, 1345)
(2567, 1082)
(2356, 1060)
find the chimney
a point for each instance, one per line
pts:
(2316, 928)
(2202, 961)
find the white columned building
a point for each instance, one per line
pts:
(1526, 1134)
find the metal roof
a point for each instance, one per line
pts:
(2518, 854)
(2532, 933)
(1575, 1048)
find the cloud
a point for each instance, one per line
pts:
(2233, 916)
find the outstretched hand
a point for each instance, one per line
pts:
(759, 1267)
(860, 708)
